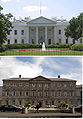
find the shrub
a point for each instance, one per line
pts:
(62, 104)
(58, 45)
(2, 48)
(77, 47)
(27, 104)
(22, 46)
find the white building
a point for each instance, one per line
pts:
(39, 30)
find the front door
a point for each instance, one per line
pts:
(49, 41)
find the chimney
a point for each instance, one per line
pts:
(19, 76)
(58, 76)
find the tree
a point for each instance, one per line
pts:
(75, 29)
(5, 26)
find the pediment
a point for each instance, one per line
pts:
(41, 20)
(40, 78)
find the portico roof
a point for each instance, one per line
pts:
(42, 20)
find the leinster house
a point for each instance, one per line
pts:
(47, 91)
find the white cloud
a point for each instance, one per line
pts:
(5, 0)
(73, 76)
(34, 8)
(11, 67)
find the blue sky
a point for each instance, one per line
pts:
(50, 8)
(67, 67)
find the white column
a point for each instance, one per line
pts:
(27, 34)
(54, 34)
(36, 34)
(45, 34)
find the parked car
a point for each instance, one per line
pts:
(33, 106)
(78, 108)
(4, 108)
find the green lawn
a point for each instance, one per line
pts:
(17, 52)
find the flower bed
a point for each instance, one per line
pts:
(45, 50)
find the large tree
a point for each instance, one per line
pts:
(75, 29)
(5, 26)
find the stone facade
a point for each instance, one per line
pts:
(79, 94)
(39, 89)
(0, 95)
(39, 30)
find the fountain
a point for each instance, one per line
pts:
(43, 47)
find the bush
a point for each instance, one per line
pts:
(58, 45)
(77, 47)
(2, 48)
(22, 46)
(62, 104)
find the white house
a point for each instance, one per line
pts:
(39, 30)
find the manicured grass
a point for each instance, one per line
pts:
(17, 52)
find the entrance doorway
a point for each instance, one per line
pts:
(49, 41)
(40, 103)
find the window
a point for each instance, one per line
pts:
(15, 41)
(52, 102)
(20, 93)
(13, 102)
(20, 84)
(52, 93)
(20, 102)
(14, 93)
(27, 93)
(6, 102)
(8, 32)
(46, 93)
(49, 41)
(59, 31)
(22, 41)
(73, 41)
(32, 31)
(66, 41)
(46, 102)
(49, 31)
(7, 93)
(27, 84)
(65, 85)
(39, 85)
(80, 40)
(32, 41)
(46, 85)
(71, 93)
(41, 31)
(33, 93)
(65, 93)
(15, 32)
(59, 93)
(22, 32)
(59, 40)
(33, 85)
(8, 41)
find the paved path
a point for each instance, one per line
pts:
(38, 115)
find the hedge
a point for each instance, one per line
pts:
(59, 45)
(77, 47)
(22, 46)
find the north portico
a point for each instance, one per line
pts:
(41, 30)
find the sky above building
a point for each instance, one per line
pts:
(66, 67)
(49, 8)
